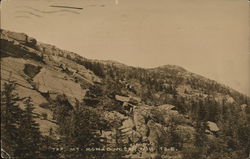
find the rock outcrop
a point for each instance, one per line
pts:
(212, 126)
(52, 82)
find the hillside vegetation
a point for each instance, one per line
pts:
(58, 104)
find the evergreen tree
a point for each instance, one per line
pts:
(10, 119)
(201, 138)
(29, 128)
(79, 130)
(49, 143)
(93, 96)
(61, 108)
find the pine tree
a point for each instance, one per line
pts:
(29, 128)
(49, 142)
(61, 108)
(94, 95)
(80, 129)
(201, 138)
(10, 119)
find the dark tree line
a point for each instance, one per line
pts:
(20, 133)
(96, 67)
(79, 128)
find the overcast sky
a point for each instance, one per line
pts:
(208, 37)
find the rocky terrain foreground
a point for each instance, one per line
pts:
(151, 113)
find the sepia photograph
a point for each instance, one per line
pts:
(125, 79)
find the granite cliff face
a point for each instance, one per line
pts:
(148, 110)
(40, 75)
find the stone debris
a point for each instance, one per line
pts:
(212, 126)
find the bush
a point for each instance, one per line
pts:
(31, 70)
(44, 116)
(191, 152)
(45, 105)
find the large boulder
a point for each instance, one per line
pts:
(122, 98)
(128, 125)
(141, 117)
(21, 38)
(50, 81)
(134, 100)
(114, 116)
(154, 134)
(212, 126)
(165, 107)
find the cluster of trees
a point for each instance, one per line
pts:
(233, 139)
(96, 67)
(80, 127)
(153, 80)
(20, 133)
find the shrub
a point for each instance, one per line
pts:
(31, 70)
(45, 105)
(44, 116)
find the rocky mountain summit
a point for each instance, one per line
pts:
(164, 112)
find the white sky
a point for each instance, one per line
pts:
(208, 37)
